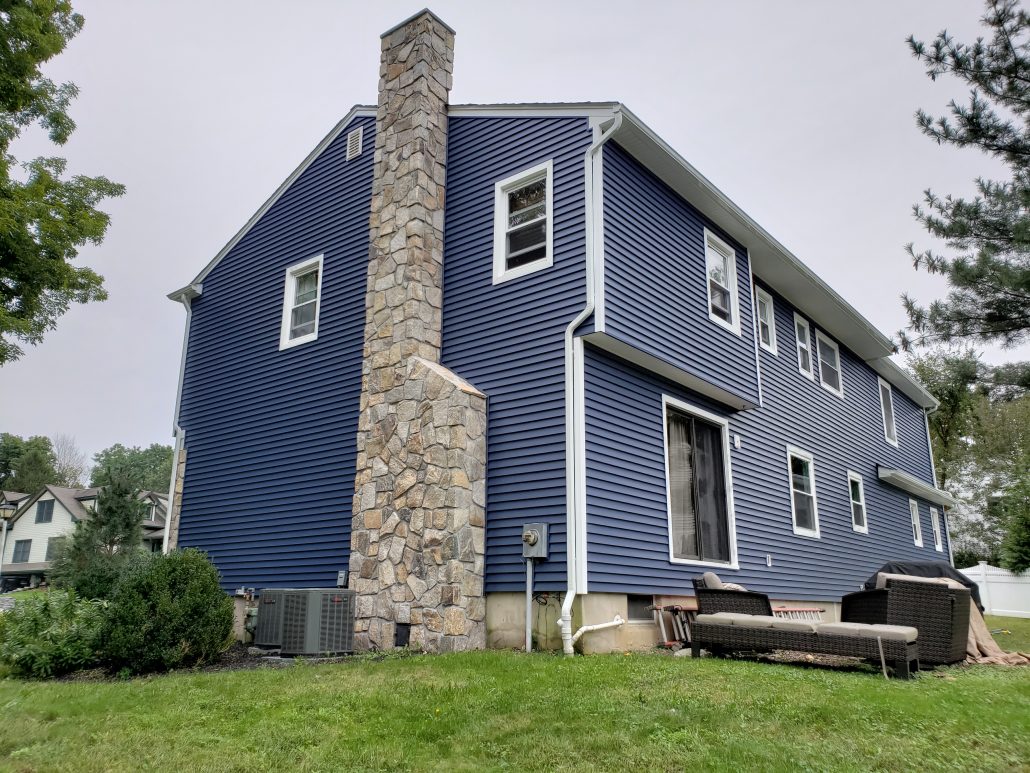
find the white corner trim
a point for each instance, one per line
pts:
(733, 285)
(501, 188)
(917, 527)
(881, 382)
(802, 321)
(762, 295)
(297, 269)
(854, 476)
(358, 111)
(821, 337)
(731, 522)
(802, 454)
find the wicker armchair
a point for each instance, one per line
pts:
(712, 600)
(940, 613)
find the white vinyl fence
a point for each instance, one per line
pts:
(1001, 591)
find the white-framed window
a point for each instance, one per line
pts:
(766, 315)
(523, 227)
(856, 490)
(45, 511)
(890, 430)
(803, 334)
(917, 530)
(721, 271)
(803, 506)
(699, 486)
(22, 550)
(301, 301)
(935, 524)
(830, 372)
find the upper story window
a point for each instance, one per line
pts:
(45, 511)
(766, 314)
(523, 228)
(917, 530)
(935, 524)
(801, 468)
(300, 303)
(856, 489)
(829, 364)
(890, 431)
(698, 485)
(721, 267)
(803, 333)
(22, 548)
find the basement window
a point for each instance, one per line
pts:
(638, 608)
(301, 303)
(721, 268)
(523, 228)
(803, 506)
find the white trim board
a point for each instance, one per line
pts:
(912, 485)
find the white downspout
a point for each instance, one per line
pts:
(572, 397)
(186, 299)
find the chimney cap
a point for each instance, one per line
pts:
(423, 12)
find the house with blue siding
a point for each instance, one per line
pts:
(453, 321)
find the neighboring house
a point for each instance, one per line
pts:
(36, 529)
(9, 501)
(584, 333)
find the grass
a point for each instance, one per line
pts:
(1018, 636)
(503, 710)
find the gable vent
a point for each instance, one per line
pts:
(354, 143)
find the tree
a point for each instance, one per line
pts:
(90, 560)
(1015, 549)
(69, 461)
(44, 218)
(11, 449)
(152, 466)
(989, 234)
(34, 469)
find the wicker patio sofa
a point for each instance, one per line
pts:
(742, 621)
(939, 612)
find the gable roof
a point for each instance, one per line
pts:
(771, 261)
(72, 499)
(12, 496)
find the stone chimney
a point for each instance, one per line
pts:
(417, 537)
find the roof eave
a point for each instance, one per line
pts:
(912, 485)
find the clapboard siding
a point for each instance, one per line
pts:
(655, 281)
(507, 339)
(627, 521)
(271, 434)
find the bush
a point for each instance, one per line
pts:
(50, 634)
(167, 611)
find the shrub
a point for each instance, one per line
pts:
(50, 634)
(167, 611)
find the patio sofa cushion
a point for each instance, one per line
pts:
(711, 580)
(784, 624)
(719, 618)
(903, 633)
(737, 618)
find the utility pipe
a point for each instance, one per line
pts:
(599, 626)
(571, 451)
(529, 605)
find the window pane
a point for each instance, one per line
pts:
(804, 511)
(302, 321)
(829, 375)
(856, 491)
(720, 301)
(803, 360)
(888, 412)
(21, 551)
(527, 244)
(800, 474)
(527, 197)
(766, 335)
(535, 212)
(710, 488)
(307, 287)
(681, 488)
(858, 514)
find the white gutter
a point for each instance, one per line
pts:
(574, 397)
(185, 296)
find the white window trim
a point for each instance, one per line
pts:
(854, 476)
(916, 526)
(501, 272)
(881, 383)
(810, 373)
(801, 454)
(935, 525)
(734, 326)
(667, 402)
(820, 336)
(762, 295)
(285, 342)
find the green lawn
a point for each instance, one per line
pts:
(502, 710)
(1018, 636)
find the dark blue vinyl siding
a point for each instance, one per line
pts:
(656, 296)
(628, 544)
(270, 434)
(507, 339)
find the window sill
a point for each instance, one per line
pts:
(298, 341)
(860, 531)
(806, 533)
(507, 275)
(712, 564)
(839, 393)
(735, 329)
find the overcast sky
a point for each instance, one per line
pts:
(800, 111)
